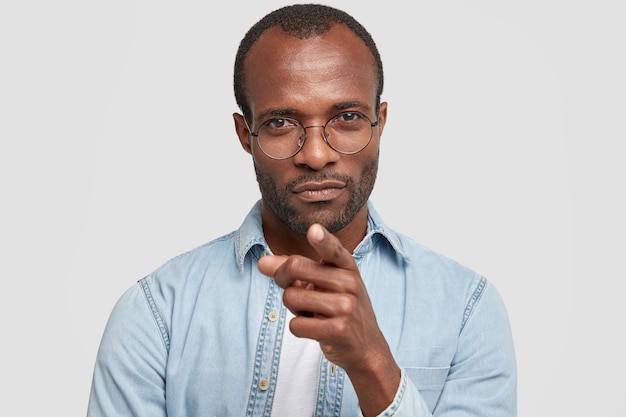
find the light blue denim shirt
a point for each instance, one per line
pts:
(201, 336)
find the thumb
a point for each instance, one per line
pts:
(270, 263)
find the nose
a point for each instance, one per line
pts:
(315, 152)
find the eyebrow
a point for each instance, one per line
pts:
(287, 111)
(351, 104)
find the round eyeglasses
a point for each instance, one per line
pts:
(347, 133)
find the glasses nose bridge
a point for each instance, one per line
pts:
(324, 132)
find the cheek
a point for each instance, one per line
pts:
(270, 172)
(369, 155)
(369, 169)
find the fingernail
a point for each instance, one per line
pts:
(317, 233)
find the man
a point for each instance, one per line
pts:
(313, 306)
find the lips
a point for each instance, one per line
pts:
(319, 190)
(317, 186)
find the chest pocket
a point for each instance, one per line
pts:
(429, 382)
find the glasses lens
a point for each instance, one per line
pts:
(349, 132)
(280, 138)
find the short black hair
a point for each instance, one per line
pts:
(302, 21)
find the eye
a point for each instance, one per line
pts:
(350, 117)
(280, 124)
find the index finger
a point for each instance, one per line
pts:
(329, 247)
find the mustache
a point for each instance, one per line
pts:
(317, 177)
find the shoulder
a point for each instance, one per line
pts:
(474, 290)
(183, 274)
(437, 265)
(189, 266)
(445, 278)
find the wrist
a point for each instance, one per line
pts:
(376, 383)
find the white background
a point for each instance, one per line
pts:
(503, 150)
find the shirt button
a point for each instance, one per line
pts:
(272, 316)
(264, 384)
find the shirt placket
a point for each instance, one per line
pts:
(267, 355)
(330, 390)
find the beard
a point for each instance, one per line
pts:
(276, 198)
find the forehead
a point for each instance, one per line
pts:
(285, 71)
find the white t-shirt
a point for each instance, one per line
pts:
(298, 374)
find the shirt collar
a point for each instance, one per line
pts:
(377, 229)
(250, 235)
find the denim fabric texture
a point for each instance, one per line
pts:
(201, 335)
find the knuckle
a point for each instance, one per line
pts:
(340, 328)
(349, 283)
(337, 251)
(289, 295)
(293, 296)
(295, 262)
(345, 305)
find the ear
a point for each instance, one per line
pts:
(243, 133)
(382, 117)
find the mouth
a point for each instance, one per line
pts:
(314, 191)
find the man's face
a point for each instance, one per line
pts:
(311, 81)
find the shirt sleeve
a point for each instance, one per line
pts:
(482, 380)
(129, 374)
(407, 402)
